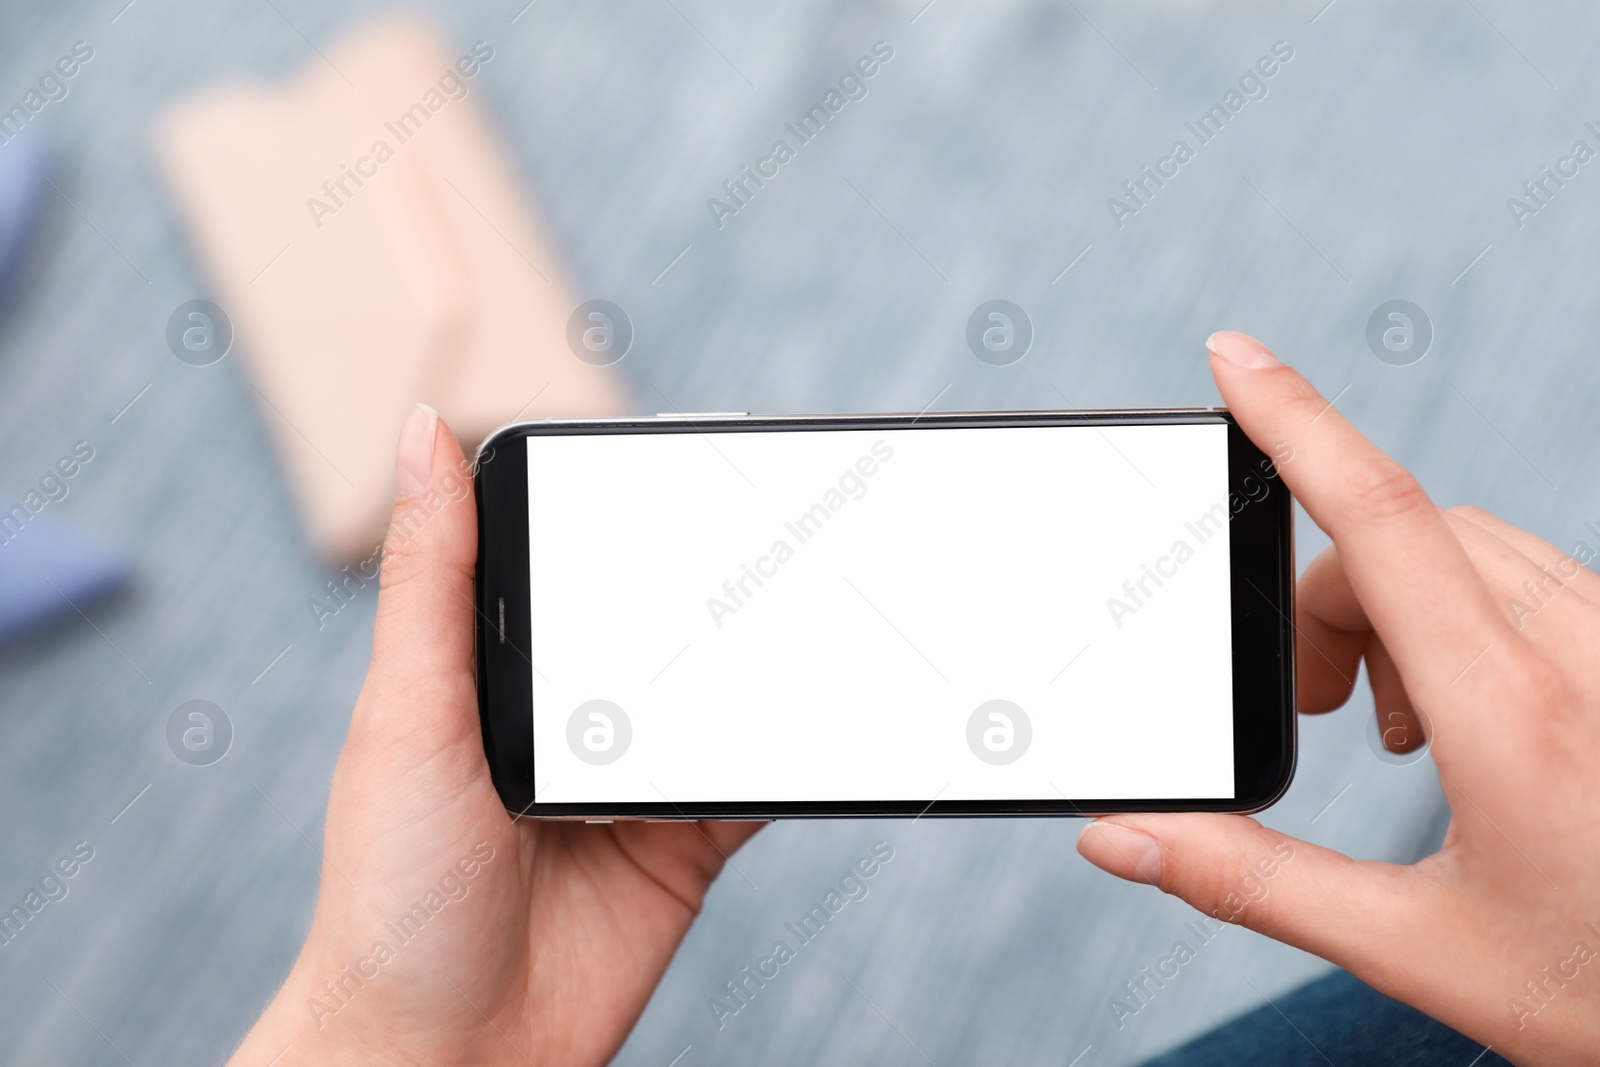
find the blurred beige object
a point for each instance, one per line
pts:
(365, 232)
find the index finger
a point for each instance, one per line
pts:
(1411, 574)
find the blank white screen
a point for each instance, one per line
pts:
(940, 569)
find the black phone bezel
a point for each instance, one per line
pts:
(1262, 607)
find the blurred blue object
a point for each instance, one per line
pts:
(49, 571)
(24, 170)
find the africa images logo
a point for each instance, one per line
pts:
(453, 84)
(851, 485)
(742, 187)
(1142, 188)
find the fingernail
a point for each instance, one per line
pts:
(414, 465)
(1241, 350)
(1123, 852)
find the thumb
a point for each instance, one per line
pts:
(422, 643)
(1352, 912)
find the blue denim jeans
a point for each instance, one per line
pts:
(1334, 1020)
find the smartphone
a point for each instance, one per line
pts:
(954, 614)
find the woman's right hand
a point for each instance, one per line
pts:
(1487, 636)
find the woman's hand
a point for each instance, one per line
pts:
(446, 931)
(1488, 636)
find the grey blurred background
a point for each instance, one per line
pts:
(1377, 168)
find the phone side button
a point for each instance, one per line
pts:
(592, 822)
